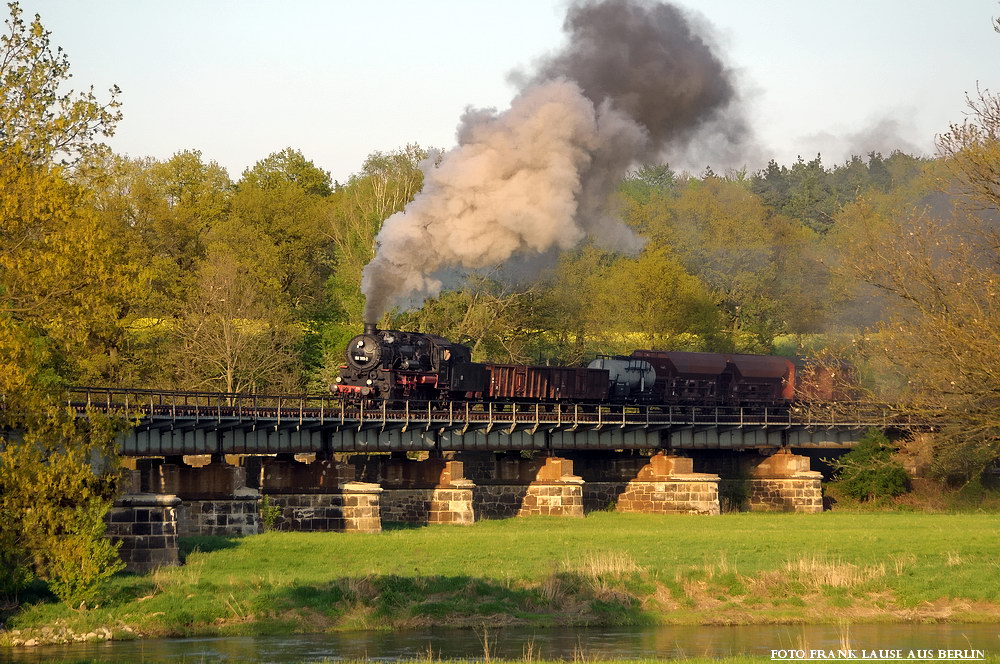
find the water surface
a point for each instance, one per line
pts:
(567, 643)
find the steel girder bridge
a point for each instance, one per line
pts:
(181, 423)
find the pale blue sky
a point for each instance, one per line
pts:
(340, 79)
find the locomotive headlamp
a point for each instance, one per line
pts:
(369, 381)
(339, 379)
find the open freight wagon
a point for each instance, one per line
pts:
(516, 381)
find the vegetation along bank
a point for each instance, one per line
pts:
(605, 569)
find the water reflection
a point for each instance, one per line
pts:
(660, 642)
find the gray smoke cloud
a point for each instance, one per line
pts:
(882, 135)
(635, 79)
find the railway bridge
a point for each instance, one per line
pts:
(232, 464)
(193, 423)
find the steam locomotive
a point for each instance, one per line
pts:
(390, 364)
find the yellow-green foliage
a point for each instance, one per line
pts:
(64, 289)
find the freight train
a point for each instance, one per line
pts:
(390, 364)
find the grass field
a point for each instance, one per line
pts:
(605, 569)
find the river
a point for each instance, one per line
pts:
(659, 642)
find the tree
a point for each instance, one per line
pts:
(235, 334)
(649, 301)
(498, 319)
(36, 115)
(61, 270)
(386, 183)
(63, 294)
(62, 299)
(753, 260)
(288, 166)
(938, 265)
(288, 219)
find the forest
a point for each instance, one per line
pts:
(174, 274)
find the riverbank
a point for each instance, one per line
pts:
(644, 660)
(605, 569)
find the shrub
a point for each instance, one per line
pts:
(269, 513)
(80, 566)
(869, 471)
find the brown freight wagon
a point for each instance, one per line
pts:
(826, 381)
(761, 378)
(518, 381)
(730, 378)
(683, 377)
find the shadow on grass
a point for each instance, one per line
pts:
(382, 601)
(205, 544)
(402, 525)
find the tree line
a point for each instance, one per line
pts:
(253, 285)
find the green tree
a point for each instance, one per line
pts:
(650, 301)
(753, 260)
(63, 292)
(499, 320)
(164, 210)
(287, 219)
(288, 166)
(44, 121)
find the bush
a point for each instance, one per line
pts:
(269, 513)
(80, 566)
(734, 495)
(869, 471)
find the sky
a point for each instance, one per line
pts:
(340, 79)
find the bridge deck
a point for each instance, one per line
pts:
(202, 423)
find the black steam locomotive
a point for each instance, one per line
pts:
(389, 364)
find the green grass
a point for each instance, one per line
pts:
(605, 569)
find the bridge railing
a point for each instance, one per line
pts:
(329, 409)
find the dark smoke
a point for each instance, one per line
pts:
(648, 60)
(635, 79)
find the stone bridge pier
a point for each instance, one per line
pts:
(507, 485)
(215, 497)
(783, 482)
(145, 525)
(657, 484)
(432, 490)
(319, 496)
(780, 482)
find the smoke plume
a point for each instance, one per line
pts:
(635, 79)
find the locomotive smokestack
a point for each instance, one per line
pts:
(370, 328)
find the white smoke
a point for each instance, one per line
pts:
(527, 180)
(636, 77)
